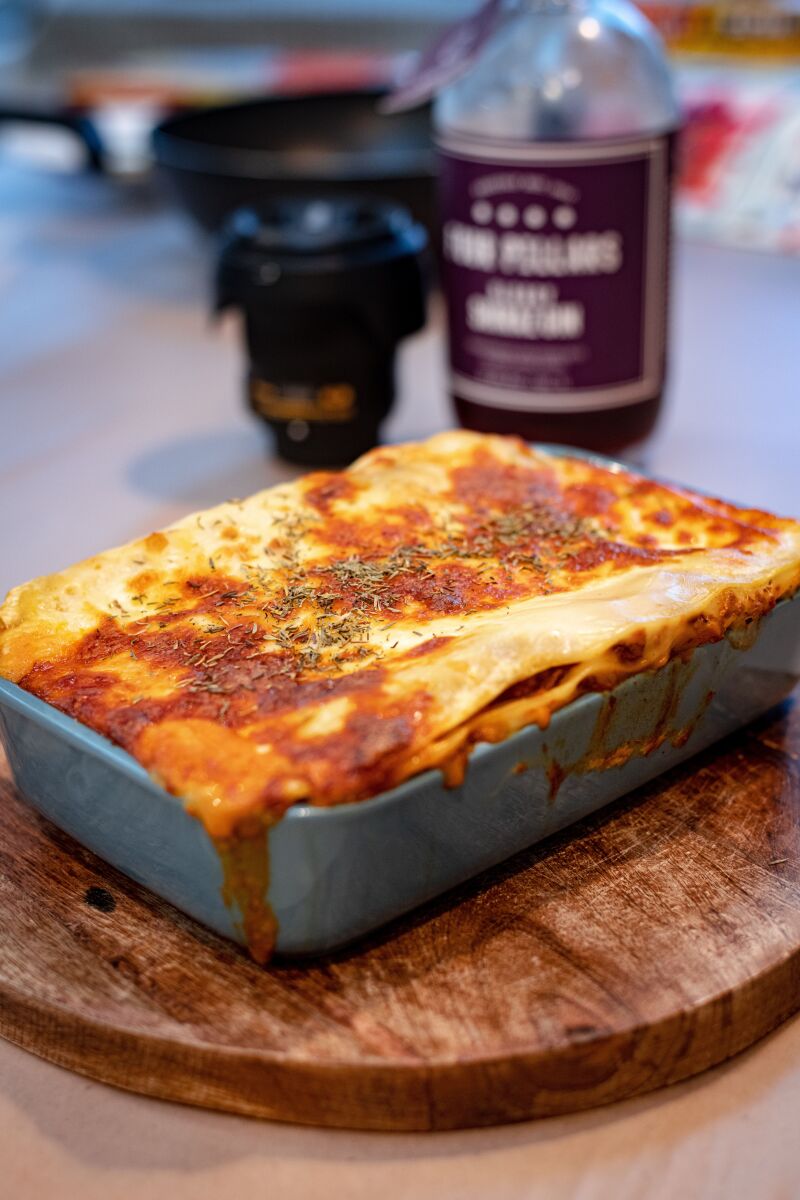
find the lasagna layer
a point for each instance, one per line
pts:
(326, 639)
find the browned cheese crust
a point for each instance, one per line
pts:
(326, 639)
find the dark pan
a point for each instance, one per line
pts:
(216, 159)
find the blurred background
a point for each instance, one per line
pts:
(117, 391)
(83, 82)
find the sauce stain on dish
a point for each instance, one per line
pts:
(601, 754)
(556, 774)
(245, 872)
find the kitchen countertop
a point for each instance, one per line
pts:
(121, 410)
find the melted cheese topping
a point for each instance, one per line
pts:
(328, 638)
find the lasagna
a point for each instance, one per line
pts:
(328, 638)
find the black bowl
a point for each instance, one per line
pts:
(215, 160)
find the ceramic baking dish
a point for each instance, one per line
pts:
(335, 873)
(332, 874)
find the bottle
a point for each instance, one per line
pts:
(555, 152)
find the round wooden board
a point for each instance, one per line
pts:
(647, 944)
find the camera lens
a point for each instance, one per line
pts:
(327, 288)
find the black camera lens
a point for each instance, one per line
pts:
(327, 287)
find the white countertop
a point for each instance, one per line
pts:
(121, 410)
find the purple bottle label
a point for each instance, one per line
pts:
(555, 271)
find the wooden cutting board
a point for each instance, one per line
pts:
(645, 945)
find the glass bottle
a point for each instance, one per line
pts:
(555, 161)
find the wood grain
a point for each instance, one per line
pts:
(645, 945)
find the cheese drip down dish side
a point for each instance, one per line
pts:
(326, 639)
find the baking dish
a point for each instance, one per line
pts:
(323, 876)
(332, 874)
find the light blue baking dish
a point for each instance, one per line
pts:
(336, 873)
